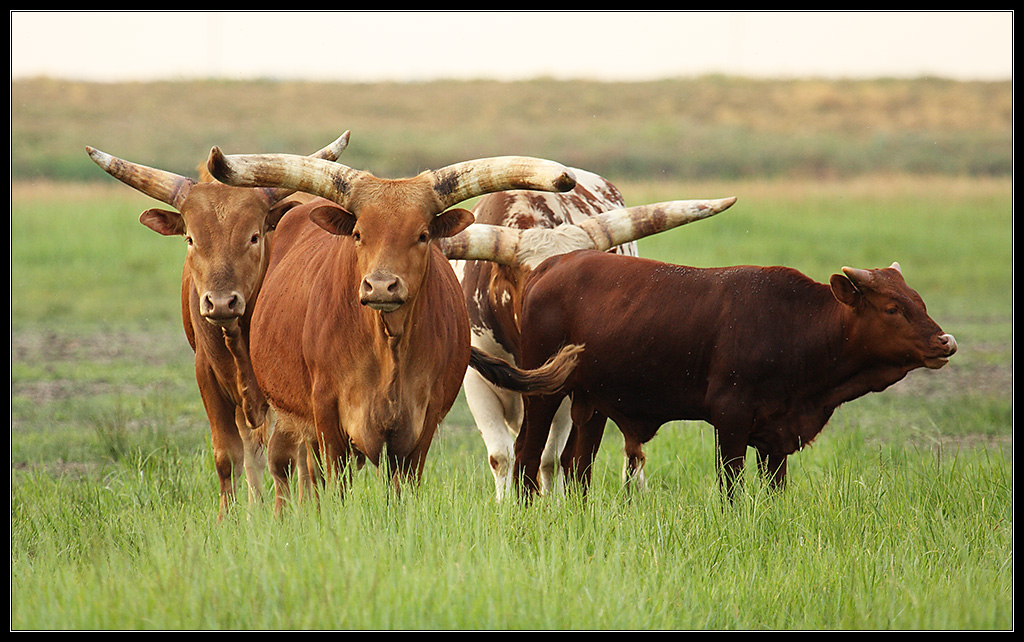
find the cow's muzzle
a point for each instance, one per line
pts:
(222, 308)
(947, 348)
(383, 292)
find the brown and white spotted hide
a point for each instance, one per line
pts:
(493, 298)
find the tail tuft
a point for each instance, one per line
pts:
(547, 379)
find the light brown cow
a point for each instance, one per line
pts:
(361, 336)
(228, 232)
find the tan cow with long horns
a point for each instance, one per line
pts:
(361, 336)
(493, 293)
(228, 232)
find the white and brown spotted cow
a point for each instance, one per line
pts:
(492, 297)
(515, 231)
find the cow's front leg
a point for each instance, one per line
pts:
(772, 467)
(732, 449)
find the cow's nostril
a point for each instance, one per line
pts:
(382, 291)
(381, 284)
(950, 342)
(221, 306)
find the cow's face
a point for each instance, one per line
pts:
(226, 231)
(891, 321)
(391, 243)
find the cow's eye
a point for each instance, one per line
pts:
(424, 237)
(356, 236)
(188, 240)
(255, 239)
(892, 309)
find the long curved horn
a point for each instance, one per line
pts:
(616, 227)
(483, 242)
(331, 153)
(166, 187)
(313, 175)
(461, 181)
(334, 181)
(172, 189)
(529, 247)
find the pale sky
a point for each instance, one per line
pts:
(369, 46)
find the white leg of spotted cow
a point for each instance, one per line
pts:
(489, 413)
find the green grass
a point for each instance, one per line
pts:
(863, 539)
(898, 517)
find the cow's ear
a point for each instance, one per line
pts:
(844, 290)
(278, 211)
(163, 221)
(334, 219)
(450, 222)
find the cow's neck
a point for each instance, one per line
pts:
(395, 334)
(252, 399)
(393, 408)
(392, 327)
(853, 371)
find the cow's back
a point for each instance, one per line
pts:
(664, 336)
(630, 317)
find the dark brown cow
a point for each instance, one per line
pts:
(228, 231)
(764, 354)
(493, 293)
(361, 336)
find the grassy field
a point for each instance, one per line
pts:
(900, 515)
(684, 129)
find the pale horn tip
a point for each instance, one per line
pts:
(724, 203)
(566, 181)
(341, 143)
(96, 155)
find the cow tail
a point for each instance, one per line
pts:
(546, 379)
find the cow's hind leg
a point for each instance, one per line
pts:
(588, 430)
(550, 466)
(539, 411)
